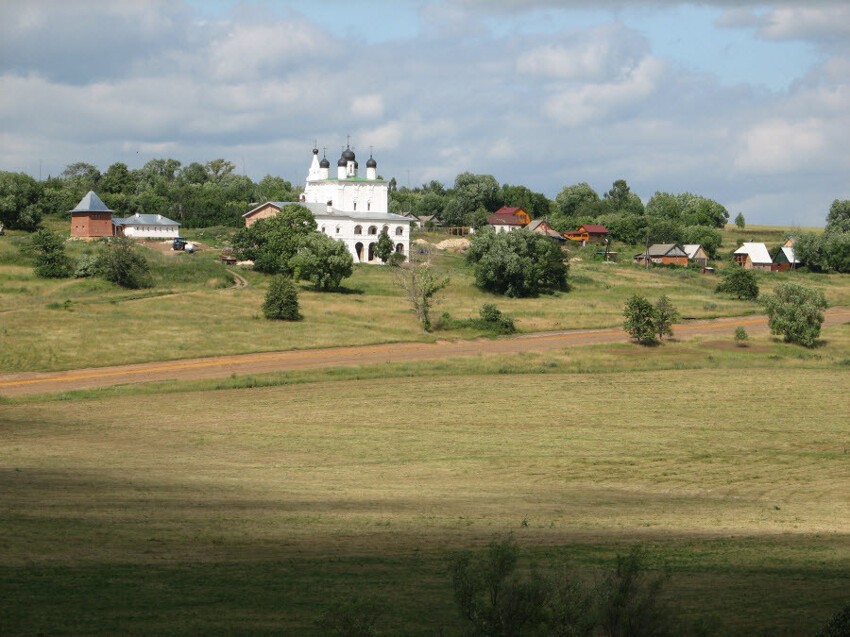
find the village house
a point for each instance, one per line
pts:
(753, 256)
(346, 207)
(508, 219)
(139, 226)
(91, 219)
(696, 254)
(663, 254)
(587, 233)
(541, 226)
(786, 259)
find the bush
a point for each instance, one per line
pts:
(271, 243)
(122, 264)
(640, 320)
(795, 312)
(281, 302)
(740, 283)
(494, 320)
(87, 267)
(51, 262)
(517, 264)
(323, 261)
(741, 336)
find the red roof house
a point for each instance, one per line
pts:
(506, 219)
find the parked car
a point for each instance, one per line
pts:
(179, 243)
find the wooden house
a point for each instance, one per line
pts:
(785, 260)
(91, 218)
(663, 254)
(541, 226)
(587, 233)
(507, 219)
(696, 254)
(753, 256)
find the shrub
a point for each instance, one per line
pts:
(51, 262)
(121, 263)
(87, 266)
(494, 320)
(740, 283)
(281, 302)
(795, 312)
(741, 336)
(640, 320)
(323, 261)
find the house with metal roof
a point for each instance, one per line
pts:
(541, 226)
(753, 256)
(139, 226)
(696, 254)
(786, 259)
(663, 254)
(91, 218)
(508, 219)
(347, 207)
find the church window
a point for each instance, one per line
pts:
(368, 205)
(355, 206)
(358, 230)
(399, 231)
(337, 229)
(373, 230)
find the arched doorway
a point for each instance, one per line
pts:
(399, 247)
(358, 248)
(371, 252)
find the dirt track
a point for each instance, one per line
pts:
(223, 366)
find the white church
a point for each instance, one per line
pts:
(347, 207)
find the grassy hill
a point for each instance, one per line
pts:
(255, 505)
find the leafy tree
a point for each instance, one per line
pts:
(740, 283)
(281, 301)
(534, 203)
(51, 262)
(827, 252)
(271, 243)
(20, 201)
(665, 316)
(665, 205)
(795, 312)
(323, 261)
(701, 211)
(740, 221)
(640, 321)
(218, 169)
(663, 230)
(626, 227)
(518, 264)
(121, 263)
(838, 219)
(421, 286)
(275, 189)
(709, 238)
(470, 193)
(117, 180)
(577, 200)
(620, 198)
(384, 246)
(741, 336)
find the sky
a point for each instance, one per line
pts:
(745, 102)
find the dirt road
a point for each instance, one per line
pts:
(223, 366)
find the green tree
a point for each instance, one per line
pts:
(709, 238)
(795, 312)
(740, 221)
(534, 203)
(663, 230)
(740, 283)
(665, 316)
(640, 320)
(281, 300)
(838, 219)
(323, 261)
(578, 200)
(517, 264)
(275, 189)
(121, 263)
(421, 285)
(621, 199)
(20, 201)
(384, 246)
(117, 180)
(51, 262)
(271, 243)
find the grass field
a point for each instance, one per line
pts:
(250, 511)
(251, 505)
(50, 325)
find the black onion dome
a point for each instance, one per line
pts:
(315, 151)
(324, 163)
(356, 165)
(371, 163)
(342, 162)
(348, 154)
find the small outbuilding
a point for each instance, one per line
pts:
(541, 226)
(663, 254)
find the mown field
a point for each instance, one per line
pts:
(252, 511)
(254, 505)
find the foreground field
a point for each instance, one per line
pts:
(251, 511)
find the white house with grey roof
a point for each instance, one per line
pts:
(346, 206)
(139, 226)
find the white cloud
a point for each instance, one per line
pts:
(595, 102)
(782, 146)
(368, 106)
